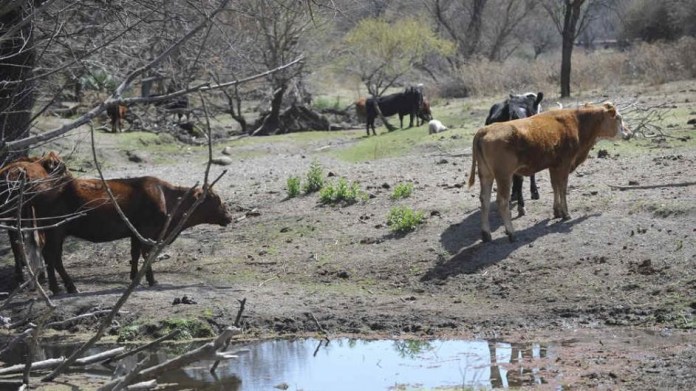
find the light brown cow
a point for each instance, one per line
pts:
(559, 140)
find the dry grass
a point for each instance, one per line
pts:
(645, 63)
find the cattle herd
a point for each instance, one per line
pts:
(43, 197)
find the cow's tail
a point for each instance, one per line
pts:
(475, 147)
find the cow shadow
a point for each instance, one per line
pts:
(471, 255)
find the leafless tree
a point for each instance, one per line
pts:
(571, 18)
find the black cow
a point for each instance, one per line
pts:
(178, 106)
(517, 107)
(402, 103)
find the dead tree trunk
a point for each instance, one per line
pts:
(16, 68)
(271, 123)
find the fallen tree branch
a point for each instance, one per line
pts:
(326, 335)
(236, 324)
(78, 317)
(205, 352)
(632, 187)
(144, 347)
(55, 362)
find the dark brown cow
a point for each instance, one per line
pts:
(40, 176)
(117, 113)
(559, 140)
(145, 201)
(424, 114)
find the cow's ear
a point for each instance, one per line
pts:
(610, 109)
(539, 97)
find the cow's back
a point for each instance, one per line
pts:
(138, 198)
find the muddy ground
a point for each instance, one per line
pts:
(616, 283)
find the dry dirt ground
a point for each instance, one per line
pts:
(616, 283)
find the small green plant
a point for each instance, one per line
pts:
(293, 184)
(322, 103)
(98, 80)
(402, 190)
(188, 328)
(128, 333)
(402, 219)
(341, 192)
(315, 178)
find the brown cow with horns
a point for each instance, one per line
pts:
(559, 140)
(145, 201)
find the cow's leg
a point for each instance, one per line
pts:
(533, 188)
(135, 257)
(517, 181)
(564, 191)
(53, 256)
(401, 121)
(486, 181)
(148, 273)
(503, 182)
(556, 180)
(17, 252)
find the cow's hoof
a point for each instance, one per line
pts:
(557, 215)
(535, 196)
(521, 211)
(152, 283)
(565, 217)
(512, 238)
(486, 236)
(72, 289)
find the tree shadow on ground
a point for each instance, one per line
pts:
(471, 254)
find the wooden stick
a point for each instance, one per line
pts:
(129, 376)
(632, 187)
(78, 317)
(326, 335)
(144, 347)
(100, 356)
(236, 324)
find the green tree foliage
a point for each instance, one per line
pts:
(381, 52)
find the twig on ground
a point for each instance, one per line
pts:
(326, 335)
(236, 324)
(78, 317)
(632, 187)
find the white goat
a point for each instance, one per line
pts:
(435, 126)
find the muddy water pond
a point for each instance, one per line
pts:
(350, 364)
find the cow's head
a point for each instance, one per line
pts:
(53, 164)
(524, 105)
(212, 209)
(613, 125)
(424, 111)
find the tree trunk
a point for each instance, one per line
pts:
(16, 67)
(570, 22)
(272, 121)
(473, 31)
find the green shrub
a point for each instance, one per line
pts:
(323, 103)
(128, 333)
(403, 219)
(315, 178)
(402, 190)
(293, 184)
(188, 328)
(341, 192)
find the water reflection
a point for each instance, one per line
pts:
(350, 364)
